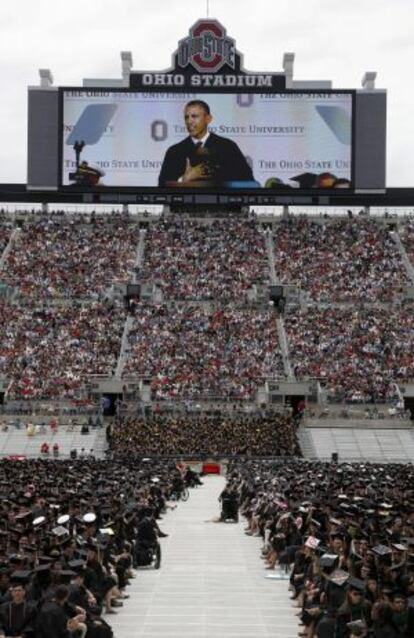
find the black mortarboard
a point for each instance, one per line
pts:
(45, 560)
(22, 516)
(42, 569)
(16, 558)
(20, 577)
(66, 574)
(356, 583)
(328, 561)
(77, 565)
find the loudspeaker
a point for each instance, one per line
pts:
(276, 294)
(334, 457)
(133, 290)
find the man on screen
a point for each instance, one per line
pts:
(203, 159)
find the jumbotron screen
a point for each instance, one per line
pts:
(119, 138)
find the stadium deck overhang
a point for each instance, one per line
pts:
(389, 198)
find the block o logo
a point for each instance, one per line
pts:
(207, 48)
(159, 130)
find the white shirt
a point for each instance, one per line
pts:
(203, 140)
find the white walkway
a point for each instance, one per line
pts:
(211, 582)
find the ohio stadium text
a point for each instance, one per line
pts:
(233, 80)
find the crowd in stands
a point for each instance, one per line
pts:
(206, 435)
(49, 351)
(407, 237)
(71, 533)
(55, 257)
(353, 260)
(188, 351)
(356, 352)
(189, 259)
(346, 532)
(198, 352)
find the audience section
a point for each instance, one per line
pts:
(49, 351)
(357, 353)
(193, 352)
(63, 257)
(353, 260)
(219, 260)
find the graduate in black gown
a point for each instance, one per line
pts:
(17, 617)
(56, 616)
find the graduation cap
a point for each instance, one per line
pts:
(16, 558)
(22, 516)
(339, 577)
(335, 521)
(356, 584)
(42, 569)
(399, 547)
(39, 520)
(59, 531)
(77, 565)
(381, 550)
(20, 577)
(312, 542)
(45, 560)
(328, 561)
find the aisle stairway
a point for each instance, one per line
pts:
(211, 583)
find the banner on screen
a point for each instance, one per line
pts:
(274, 140)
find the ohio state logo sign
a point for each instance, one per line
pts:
(207, 48)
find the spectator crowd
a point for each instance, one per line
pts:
(224, 348)
(346, 533)
(206, 435)
(60, 257)
(358, 353)
(190, 259)
(47, 352)
(190, 352)
(353, 260)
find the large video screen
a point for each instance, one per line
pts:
(206, 140)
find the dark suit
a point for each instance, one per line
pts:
(229, 163)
